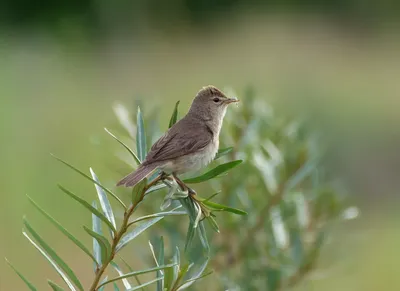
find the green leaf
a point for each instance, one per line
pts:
(116, 287)
(192, 213)
(160, 214)
(104, 203)
(131, 270)
(182, 273)
(168, 278)
(126, 283)
(52, 263)
(223, 152)
(196, 276)
(223, 207)
(62, 229)
(105, 246)
(141, 145)
(135, 157)
(203, 236)
(90, 207)
(90, 179)
(155, 188)
(60, 262)
(160, 261)
(212, 196)
(54, 286)
(137, 191)
(144, 284)
(189, 235)
(29, 284)
(131, 274)
(213, 223)
(102, 288)
(184, 286)
(218, 170)
(176, 260)
(174, 116)
(96, 227)
(134, 233)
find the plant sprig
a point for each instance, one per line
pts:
(105, 249)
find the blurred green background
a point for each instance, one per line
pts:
(63, 65)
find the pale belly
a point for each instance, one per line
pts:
(191, 162)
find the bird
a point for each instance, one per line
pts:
(190, 144)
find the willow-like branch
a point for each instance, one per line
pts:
(119, 234)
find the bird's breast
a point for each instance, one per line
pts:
(194, 161)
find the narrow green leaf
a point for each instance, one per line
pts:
(182, 272)
(131, 274)
(192, 213)
(52, 263)
(102, 288)
(116, 287)
(223, 152)
(168, 278)
(104, 203)
(62, 229)
(174, 116)
(189, 235)
(212, 196)
(203, 236)
(160, 261)
(135, 157)
(29, 284)
(223, 207)
(196, 276)
(131, 270)
(137, 191)
(218, 170)
(144, 284)
(213, 223)
(105, 246)
(60, 262)
(176, 260)
(126, 283)
(156, 188)
(89, 207)
(141, 145)
(134, 233)
(160, 214)
(54, 286)
(90, 179)
(96, 227)
(191, 281)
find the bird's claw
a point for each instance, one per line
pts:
(191, 191)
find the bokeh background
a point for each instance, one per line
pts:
(64, 64)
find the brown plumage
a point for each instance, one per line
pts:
(189, 144)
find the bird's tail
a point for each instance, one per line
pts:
(135, 177)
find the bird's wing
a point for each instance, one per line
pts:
(181, 139)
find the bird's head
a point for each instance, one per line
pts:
(210, 103)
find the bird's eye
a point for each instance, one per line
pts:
(216, 99)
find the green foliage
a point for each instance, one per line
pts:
(278, 237)
(106, 248)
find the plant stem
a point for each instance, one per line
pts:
(119, 235)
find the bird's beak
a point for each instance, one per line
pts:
(232, 100)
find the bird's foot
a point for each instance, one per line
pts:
(191, 191)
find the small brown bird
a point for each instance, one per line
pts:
(189, 144)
